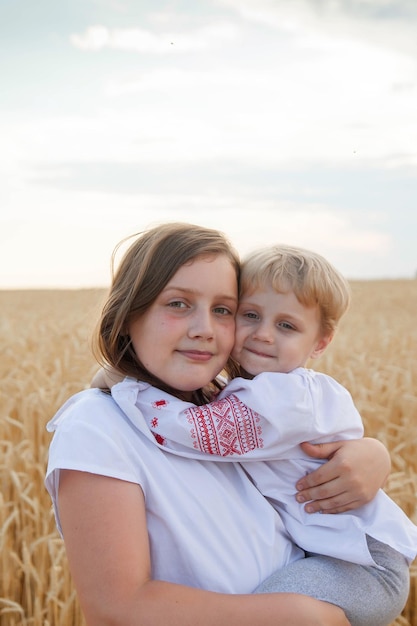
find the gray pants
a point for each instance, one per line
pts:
(368, 596)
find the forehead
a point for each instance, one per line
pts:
(265, 282)
(208, 272)
(263, 290)
(279, 302)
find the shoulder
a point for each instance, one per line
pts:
(86, 407)
(316, 391)
(87, 417)
(322, 381)
(94, 407)
(92, 433)
(297, 380)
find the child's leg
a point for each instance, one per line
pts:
(368, 596)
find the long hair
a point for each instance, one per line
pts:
(145, 269)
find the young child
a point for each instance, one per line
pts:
(291, 301)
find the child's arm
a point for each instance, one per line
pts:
(261, 419)
(230, 429)
(351, 476)
(105, 378)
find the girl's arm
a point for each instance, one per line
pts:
(109, 557)
(355, 471)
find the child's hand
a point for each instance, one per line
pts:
(106, 378)
(351, 478)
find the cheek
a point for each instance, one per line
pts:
(142, 351)
(240, 336)
(227, 339)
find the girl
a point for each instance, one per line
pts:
(153, 538)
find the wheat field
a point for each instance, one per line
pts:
(46, 357)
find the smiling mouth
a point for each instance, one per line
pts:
(261, 354)
(197, 355)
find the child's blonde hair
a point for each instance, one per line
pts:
(310, 276)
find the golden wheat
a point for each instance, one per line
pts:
(45, 358)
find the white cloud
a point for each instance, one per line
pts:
(322, 94)
(384, 23)
(342, 107)
(259, 86)
(330, 25)
(144, 41)
(302, 114)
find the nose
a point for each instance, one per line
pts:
(201, 325)
(263, 332)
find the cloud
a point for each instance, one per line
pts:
(375, 9)
(139, 40)
(326, 88)
(389, 24)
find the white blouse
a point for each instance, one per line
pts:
(261, 423)
(209, 527)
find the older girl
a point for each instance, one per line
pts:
(153, 538)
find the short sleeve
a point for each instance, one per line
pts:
(91, 434)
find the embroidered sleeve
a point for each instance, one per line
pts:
(262, 419)
(225, 427)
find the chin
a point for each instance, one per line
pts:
(250, 372)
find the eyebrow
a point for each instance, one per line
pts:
(283, 314)
(197, 292)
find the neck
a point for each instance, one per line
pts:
(245, 374)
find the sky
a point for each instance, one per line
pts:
(275, 121)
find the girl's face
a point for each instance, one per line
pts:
(186, 335)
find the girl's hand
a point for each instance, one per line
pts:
(356, 469)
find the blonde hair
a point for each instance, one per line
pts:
(310, 276)
(145, 269)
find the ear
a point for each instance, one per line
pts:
(321, 345)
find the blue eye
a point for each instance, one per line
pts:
(286, 326)
(251, 315)
(222, 310)
(177, 304)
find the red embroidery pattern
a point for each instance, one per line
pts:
(158, 438)
(154, 422)
(225, 427)
(158, 404)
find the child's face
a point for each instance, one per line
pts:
(186, 335)
(276, 333)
